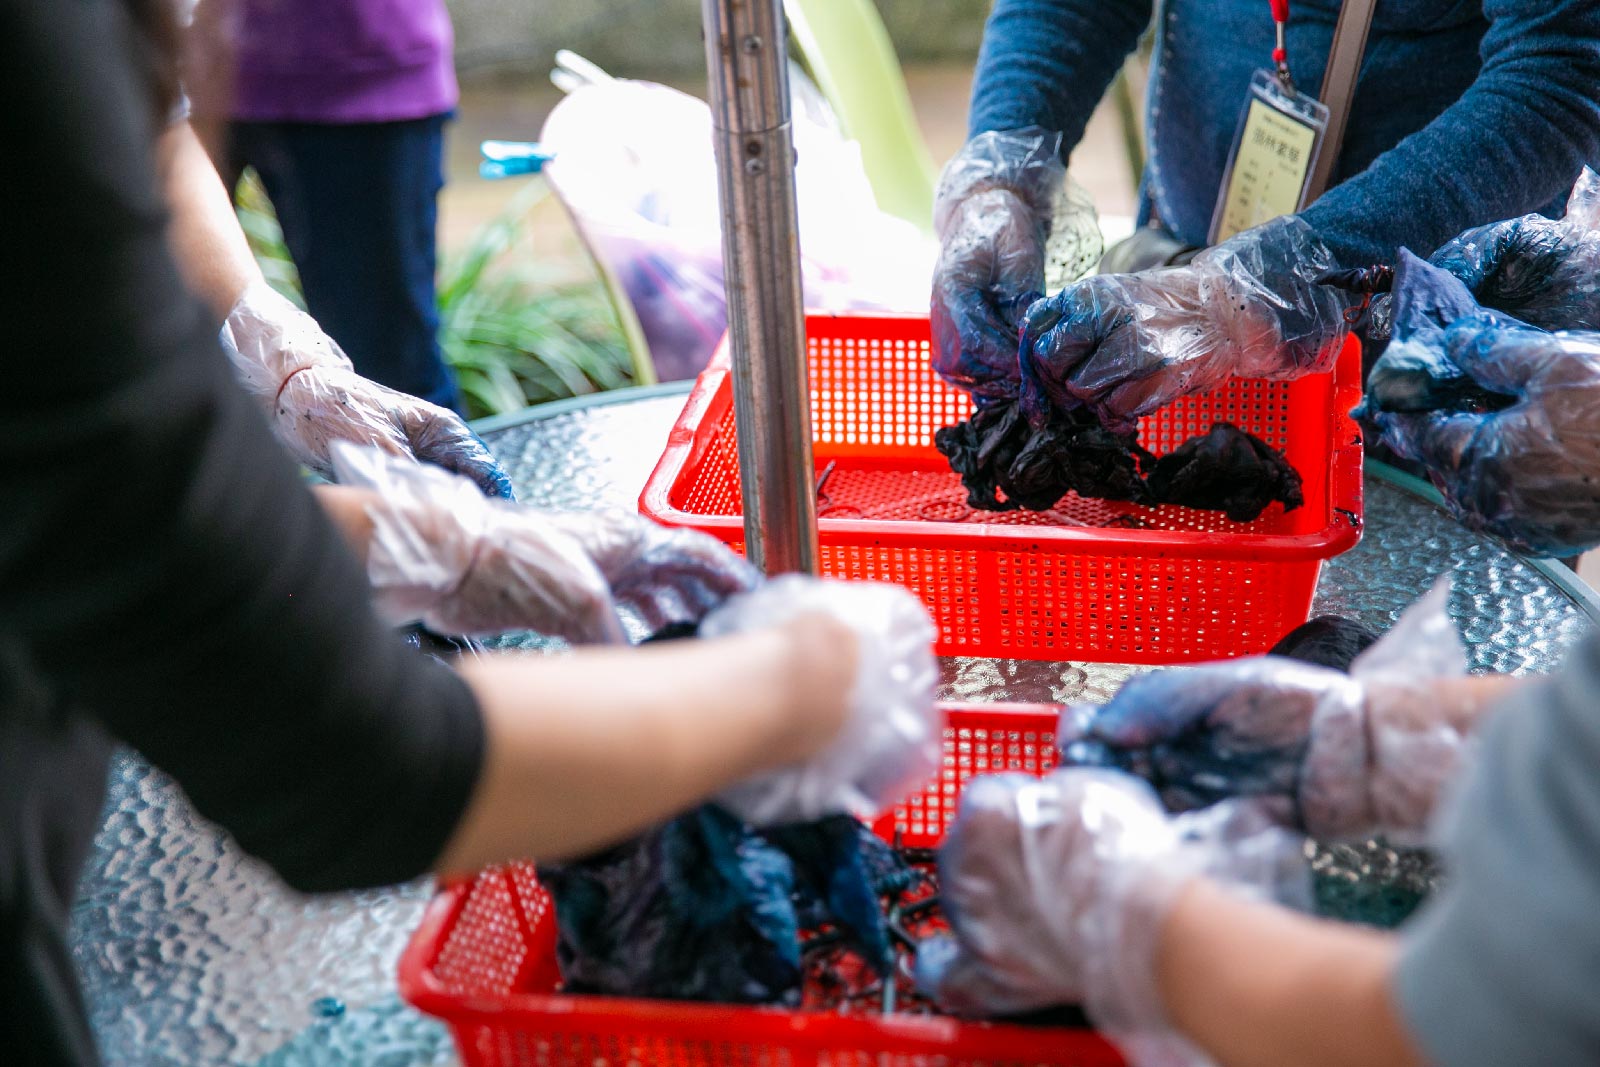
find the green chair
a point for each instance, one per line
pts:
(844, 46)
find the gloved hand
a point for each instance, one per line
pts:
(1124, 345)
(1524, 466)
(443, 553)
(998, 201)
(1337, 756)
(314, 396)
(1544, 271)
(1056, 889)
(659, 575)
(890, 743)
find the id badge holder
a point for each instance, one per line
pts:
(1274, 151)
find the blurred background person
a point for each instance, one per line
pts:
(340, 108)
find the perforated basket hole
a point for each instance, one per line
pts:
(969, 751)
(1257, 407)
(1138, 609)
(879, 393)
(487, 944)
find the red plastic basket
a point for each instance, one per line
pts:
(1179, 585)
(483, 960)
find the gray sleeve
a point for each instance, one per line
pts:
(1503, 965)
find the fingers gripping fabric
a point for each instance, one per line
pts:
(890, 742)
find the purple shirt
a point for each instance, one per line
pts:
(343, 61)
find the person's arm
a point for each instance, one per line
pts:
(1516, 140)
(1459, 704)
(627, 738)
(210, 247)
(281, 354)
(1256, 985)
(162, 564)
(1047, 63)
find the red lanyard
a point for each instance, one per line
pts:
(1280, 54)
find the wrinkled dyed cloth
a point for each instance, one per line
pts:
(997, 452)
(1226, 470)
(1326, 641)
(706, 908)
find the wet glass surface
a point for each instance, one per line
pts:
(192, 953)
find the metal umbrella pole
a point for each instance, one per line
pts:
(747, 61)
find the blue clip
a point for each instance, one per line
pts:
(507, 159)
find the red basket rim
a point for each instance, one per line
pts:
(683, 1020)
(1342, 532)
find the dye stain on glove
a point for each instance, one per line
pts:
(1005, 465)
(706, 908)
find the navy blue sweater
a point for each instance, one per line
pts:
(1467, 111)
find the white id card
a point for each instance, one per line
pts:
(1274, 150)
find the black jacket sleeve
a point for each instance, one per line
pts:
(160, 559)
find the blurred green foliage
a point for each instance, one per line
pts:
(512, 338)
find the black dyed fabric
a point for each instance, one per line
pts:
(1007, 465)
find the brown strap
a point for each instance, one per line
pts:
(1339, 86)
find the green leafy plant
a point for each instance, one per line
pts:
(261, 229)
(513, 338)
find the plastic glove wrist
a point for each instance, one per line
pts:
(1122, 943)
(269, 340)
(1058, 890)
(1238, 848)
(1379, 766)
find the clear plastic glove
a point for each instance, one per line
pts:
(1504, 417)
(1338, 756)
(1544, 271)
(1056, 889)
(444, 554)
(890, 743)
(315, 397)
(998, 202)
(661, 576)
(1499, 413)
(1125, 345)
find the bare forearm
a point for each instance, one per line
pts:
(1466, 700)
(1256, 985)
(211, 249)
(584, 750)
